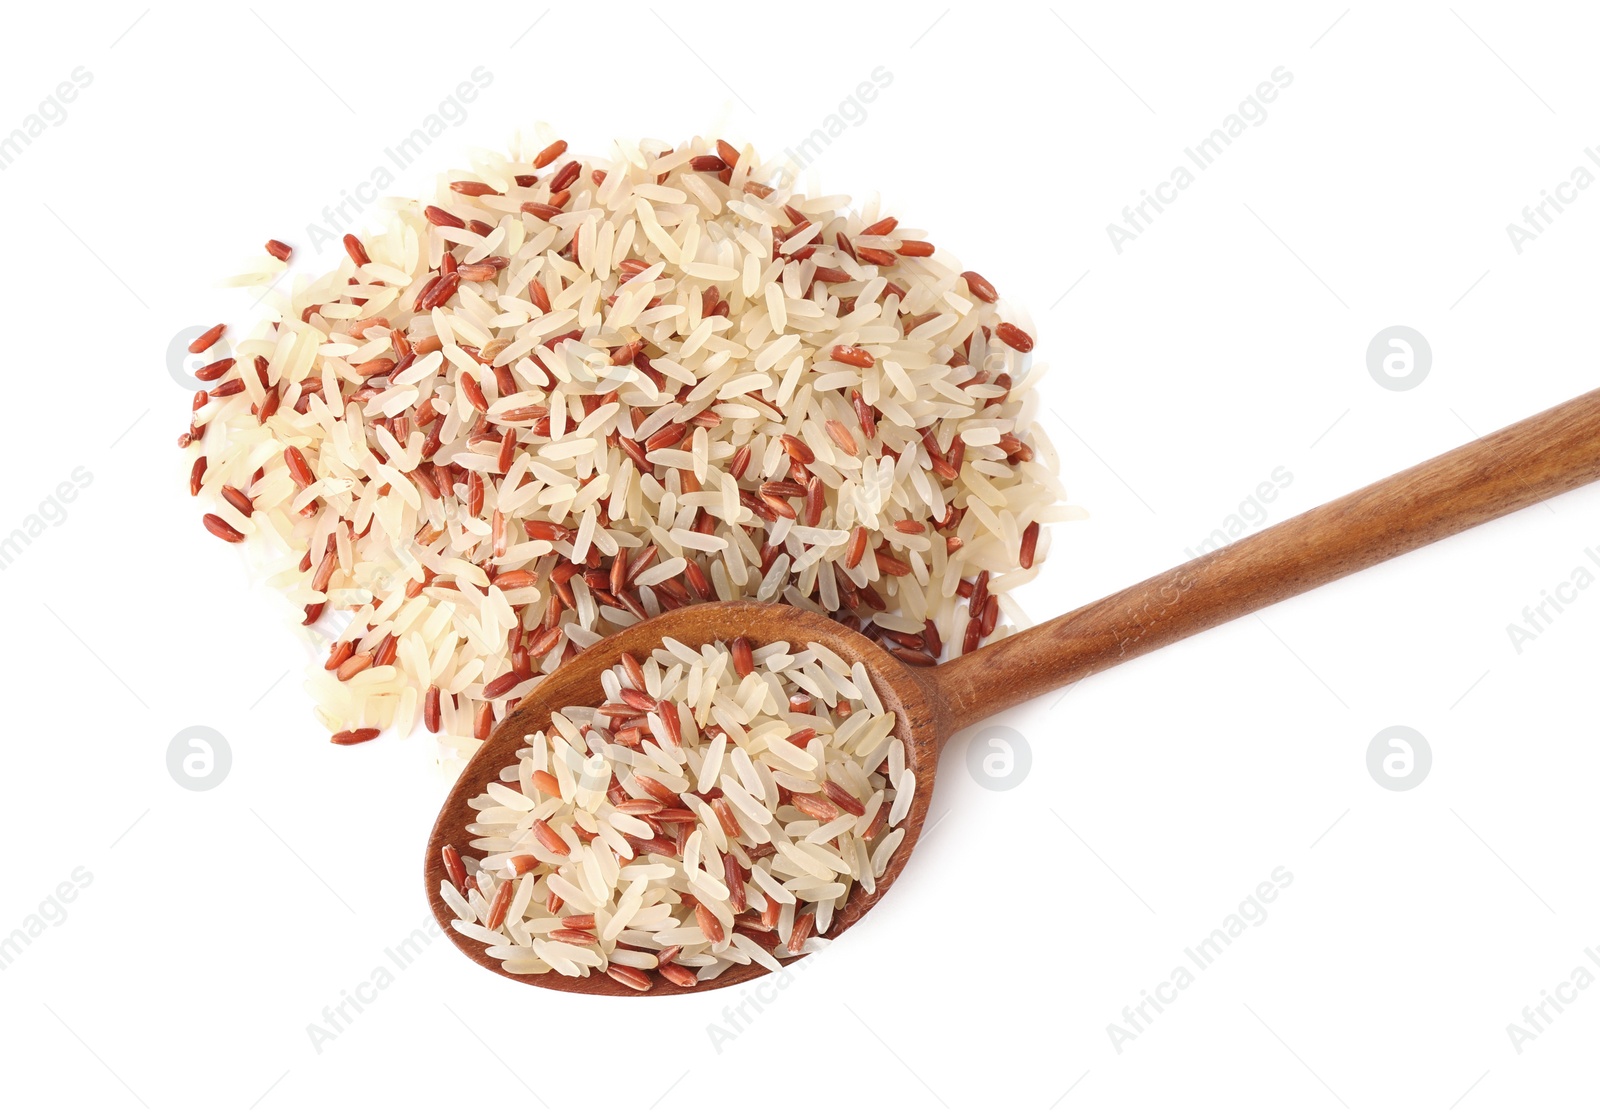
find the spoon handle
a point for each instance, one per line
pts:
(1517, 466)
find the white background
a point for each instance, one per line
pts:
(1227, 340)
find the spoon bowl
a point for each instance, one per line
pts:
(921, 722)
(1528, 462)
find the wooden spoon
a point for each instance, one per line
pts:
(1550, 453)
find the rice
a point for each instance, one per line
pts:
(628, 838)
(565, 394)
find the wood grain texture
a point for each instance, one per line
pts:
(578, 684)
(1551, 453)
(1530, 461)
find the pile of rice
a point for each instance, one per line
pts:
(716, 809)
(568, 394)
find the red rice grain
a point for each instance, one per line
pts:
(1014, 337)
(549, 155)
(550, 840)
(1030, 541)
(453, 867)
(852, 355)
(208, 339)
(631, 977)
(678, 975)
(981, 289)
(221, 528)
(502, 902)
(215, 370)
